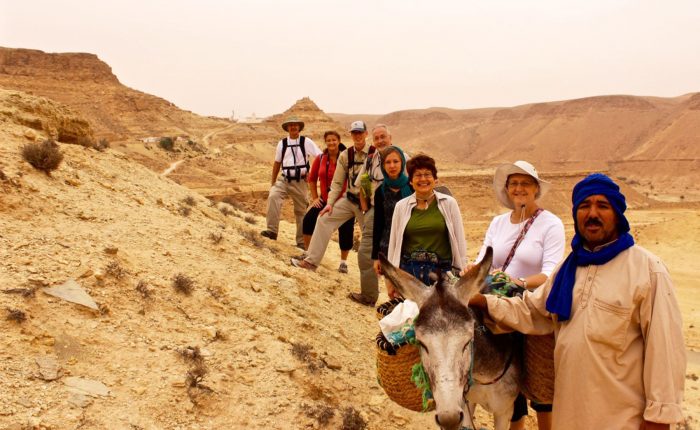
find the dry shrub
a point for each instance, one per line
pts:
(305, 354)
(44, 156)
(191, 354)
(194, 380)
(184, 210)
(189, 201)
(321, 413)
(250, 219)
(16, 315)
(101, 145)
(352, 420)
(216, 237)
(143, 289)
(115, 270)
(183, 284)
(253, 237)
(226, 210)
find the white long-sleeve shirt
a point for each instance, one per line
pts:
(540, 251)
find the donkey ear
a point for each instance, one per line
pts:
(472, 281)
(408, 286)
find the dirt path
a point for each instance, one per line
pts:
(207, 138)
(172, 167)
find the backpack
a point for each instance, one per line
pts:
(352, 164)
(293, 173)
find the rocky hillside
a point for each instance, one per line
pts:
(199, 323)
(87, 84)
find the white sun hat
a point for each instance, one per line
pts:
(519, 167)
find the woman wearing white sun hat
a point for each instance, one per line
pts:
(527, 242)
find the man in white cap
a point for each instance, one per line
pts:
(341, 208)
(292, 157)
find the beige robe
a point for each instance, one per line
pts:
(620, 358)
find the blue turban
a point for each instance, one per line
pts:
(561, 296)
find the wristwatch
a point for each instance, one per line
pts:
(524, 282)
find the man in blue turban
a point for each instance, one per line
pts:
(619, 354)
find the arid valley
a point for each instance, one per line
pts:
(276, 346)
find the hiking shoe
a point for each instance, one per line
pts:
(269, 234)
(359, 298)
(343, 268)
(300, 256)
(303, 264)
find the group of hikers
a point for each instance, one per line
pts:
(619, 354)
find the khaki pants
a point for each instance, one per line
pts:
(343, 210)
(297, 190)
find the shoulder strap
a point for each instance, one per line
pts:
(302, 139)
(370, 155)
(285, 143)
(520, 238)
(351, 157)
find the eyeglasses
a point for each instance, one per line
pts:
(423, 175)
(516, 184)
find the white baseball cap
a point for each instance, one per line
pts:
(358, 126)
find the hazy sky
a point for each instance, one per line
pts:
(372, 56)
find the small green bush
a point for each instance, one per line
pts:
(167, 143)
(44, 156)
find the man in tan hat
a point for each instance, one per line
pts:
(292, 157)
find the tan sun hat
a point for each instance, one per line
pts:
(292, 120)
(519, 167)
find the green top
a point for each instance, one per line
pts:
(426, 230)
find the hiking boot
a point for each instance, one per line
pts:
(359, 298)
(296, 262)
(343, 268)
(269, 234)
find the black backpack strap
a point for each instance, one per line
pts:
(285, 144)
(293, 173)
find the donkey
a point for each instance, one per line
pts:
(465, 363)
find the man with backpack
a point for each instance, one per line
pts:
(351, 163)
(292, 157)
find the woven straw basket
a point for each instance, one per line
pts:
(538, 358)
(394, 375)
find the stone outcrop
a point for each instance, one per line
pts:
(44, 116)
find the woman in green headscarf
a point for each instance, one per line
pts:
(394, 188)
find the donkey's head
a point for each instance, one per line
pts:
(445, 332)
